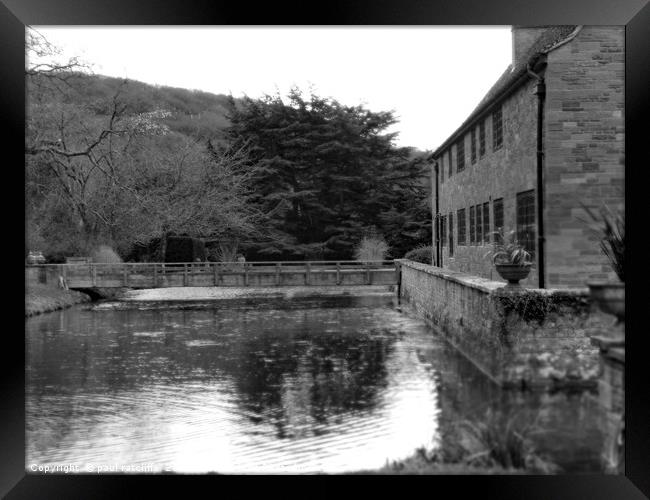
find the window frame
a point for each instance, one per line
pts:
(481, 138)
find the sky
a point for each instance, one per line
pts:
(431, 77)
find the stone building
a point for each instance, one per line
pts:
(547, 138)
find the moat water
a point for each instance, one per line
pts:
(330, 384)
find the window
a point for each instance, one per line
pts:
(481, 138)
(443, 230)
(451, 234)
(460, 154)
(526, 220)
(461, 227)
(479, 224)
(497, 209)
(472, 225)
(449, 164)
(486, 222)
(473, 145)
(497, 129)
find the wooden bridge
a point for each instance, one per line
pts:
(221, 274)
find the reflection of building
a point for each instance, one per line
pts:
(547, 137)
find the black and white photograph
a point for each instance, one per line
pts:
(325, 249)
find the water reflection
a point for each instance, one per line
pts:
(305, 385)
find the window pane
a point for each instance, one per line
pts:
(497, 129)
(460, 155)
(479, 224)
(451, 234)
(461, 227)
(473, 138)
(497, 206)
(486, 222)
(481, 138)
(472, 225)
(443, 232)
(526, 220)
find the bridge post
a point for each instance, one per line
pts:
(277, 273)
(367, 273)
(246, 274)
(216, 273)
(184, 274)
(125, 277)
(93, 270)
(398, 271)
(308, 274)
(338, 273)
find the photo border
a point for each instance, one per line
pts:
(634, 14)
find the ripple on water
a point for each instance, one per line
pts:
(292, 387)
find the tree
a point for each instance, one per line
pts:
(332, 169)
(105, 170)
(180, 186)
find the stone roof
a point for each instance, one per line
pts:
(548, 38)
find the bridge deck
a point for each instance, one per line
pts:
(233, 274)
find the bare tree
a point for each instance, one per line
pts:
(126, 177)
(181, 186)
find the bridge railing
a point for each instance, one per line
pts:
(255, 273)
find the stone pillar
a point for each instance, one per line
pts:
(611, 396)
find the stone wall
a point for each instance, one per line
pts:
(585, 149)
(611, 397)
(519, 337)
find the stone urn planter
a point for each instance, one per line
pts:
(513, 273)
(610, 298)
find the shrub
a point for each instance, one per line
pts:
(609, 227)
(508, 250)
(420, 254)
(503, 440)
(224, 252)
(105, 255)
(371, 248)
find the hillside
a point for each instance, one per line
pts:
(193, 112)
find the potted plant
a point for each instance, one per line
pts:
(609, 227)
(510, 258)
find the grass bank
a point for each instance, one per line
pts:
(419, 466)
(42, 298)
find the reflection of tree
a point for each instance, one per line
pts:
(286, 365)
(341, 373)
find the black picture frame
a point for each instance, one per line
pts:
(634, 14)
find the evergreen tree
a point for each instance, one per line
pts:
(324, 173)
